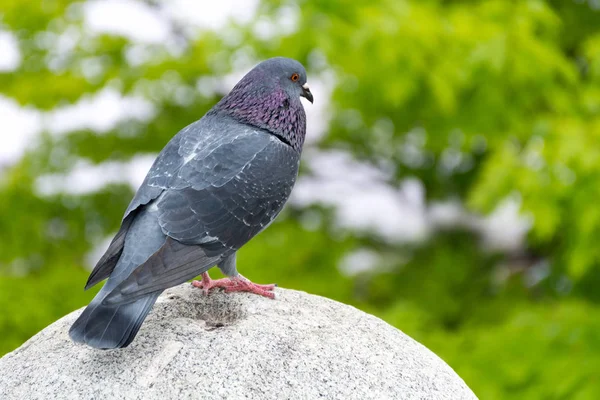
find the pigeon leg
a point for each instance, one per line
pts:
(234, 284)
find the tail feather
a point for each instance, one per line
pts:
(111, 326)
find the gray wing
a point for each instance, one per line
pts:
(171, 265)
(215, 203)
(230, 211)
(201, 149)
(203, 153)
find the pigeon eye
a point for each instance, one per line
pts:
(295, 77)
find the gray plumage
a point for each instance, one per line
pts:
(216, 184)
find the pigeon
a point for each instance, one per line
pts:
(217, 183)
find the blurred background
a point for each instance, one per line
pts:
(450, 183)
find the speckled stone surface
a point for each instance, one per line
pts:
(235, 346)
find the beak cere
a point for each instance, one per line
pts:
(306, 93)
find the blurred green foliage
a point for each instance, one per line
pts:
(493, 98)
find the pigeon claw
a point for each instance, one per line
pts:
(234, 284)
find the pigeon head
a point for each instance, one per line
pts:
(268, 97)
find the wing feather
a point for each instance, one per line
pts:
(107, 263)
(173, 264)
(211, 192)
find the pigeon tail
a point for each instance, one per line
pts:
(111, 326)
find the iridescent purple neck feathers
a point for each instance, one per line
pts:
(261, 102)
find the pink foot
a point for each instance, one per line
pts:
(235, 284)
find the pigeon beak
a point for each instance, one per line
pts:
(306, 93)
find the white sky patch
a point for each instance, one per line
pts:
(359, 261)
(451, 213)
(86, 178)
(98, 251)
(505, 228)
(100, 112)
(284, 22)
(10, 55)
(318, 114)
(20, 126)
(131, 19)
(210, 15)
(361, 197)
(364, 201)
